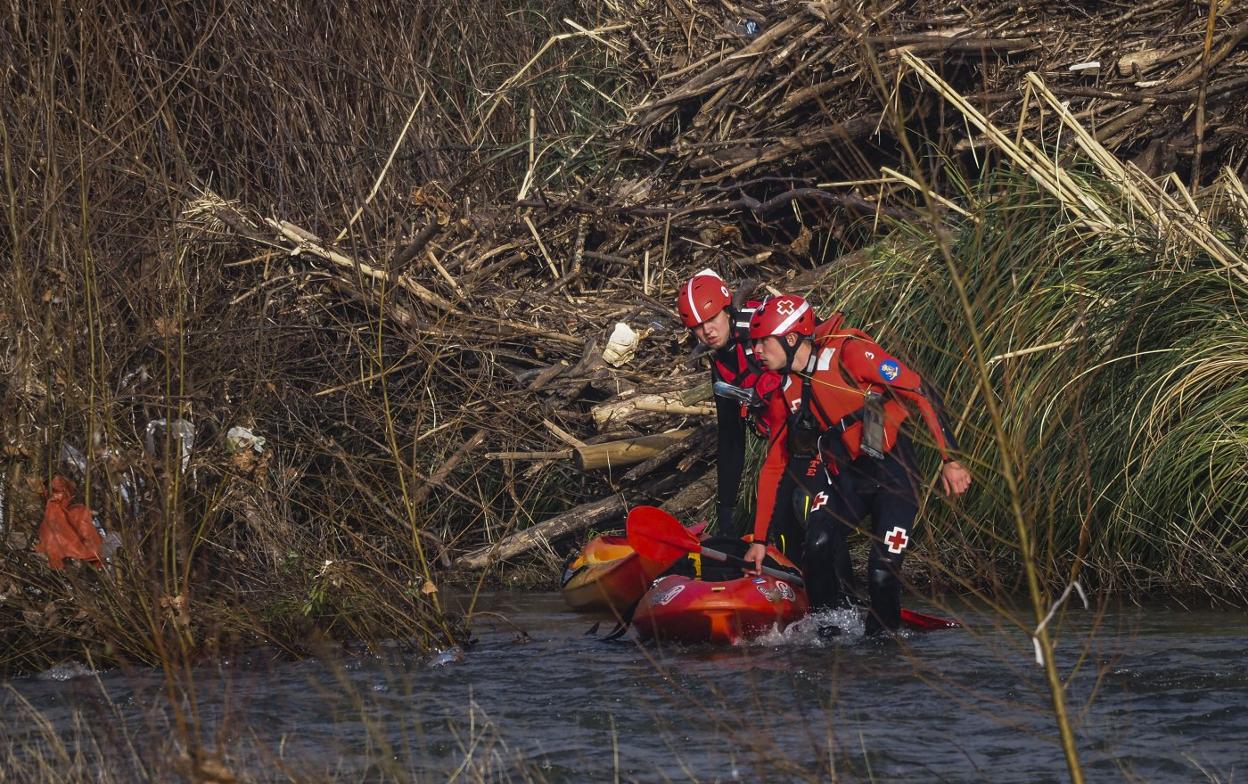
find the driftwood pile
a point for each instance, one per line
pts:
(763, 140)
(1161, 82)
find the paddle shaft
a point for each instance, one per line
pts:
(788, 577)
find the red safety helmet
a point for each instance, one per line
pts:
(781, 315)
(701, 297)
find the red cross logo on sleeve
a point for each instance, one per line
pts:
(896, 540)
(784, 307)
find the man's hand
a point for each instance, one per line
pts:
(954, 478)
(755, 556)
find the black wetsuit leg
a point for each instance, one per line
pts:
(788, 527)
(834, 510)
(729, 464)
(888, 490)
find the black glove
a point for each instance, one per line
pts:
(724, 523)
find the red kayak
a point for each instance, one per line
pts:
(719, 608)
(701, 600)
(702, 595)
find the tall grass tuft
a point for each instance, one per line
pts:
(1121, 370)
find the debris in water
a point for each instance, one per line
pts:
(66, 670)
(448, 656)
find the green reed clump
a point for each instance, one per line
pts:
(1119, 362)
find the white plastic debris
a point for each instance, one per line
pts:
(621, 345)
(180, 429)
(65, 671)
(71, 456)
(442, 658)
(240, 439)
(110, 545)
(1035, 636)
(1092, 66)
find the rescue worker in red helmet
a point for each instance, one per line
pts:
(706, 308)
(835, 428)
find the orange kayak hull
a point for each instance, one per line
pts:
(607, 576)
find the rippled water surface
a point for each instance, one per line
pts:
(1156, 695)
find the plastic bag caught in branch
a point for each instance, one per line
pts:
(240, 439)
(621, 345)
(67, 530)
(183, 433)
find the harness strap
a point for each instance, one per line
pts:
(841, 425)
(747, 367)
(849, 420)
(809, 399)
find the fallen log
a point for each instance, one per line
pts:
(628, 451)
(556, 527)
(701, 442)
(620, 411)
(558, 454)
(693, 496)
(626, 409)
(675, 408)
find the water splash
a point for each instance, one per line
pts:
(65, 671)
(823, 628)
(445, 657)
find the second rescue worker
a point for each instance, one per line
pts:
(706, 308)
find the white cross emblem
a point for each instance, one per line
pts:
(784, 307)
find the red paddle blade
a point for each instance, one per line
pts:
(658, 536)
(925, 622)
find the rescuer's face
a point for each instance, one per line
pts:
(770, 351)
(715, 331)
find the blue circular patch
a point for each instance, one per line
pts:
(889, 370)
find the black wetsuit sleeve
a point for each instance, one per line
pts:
(731, 456)
(938, 404)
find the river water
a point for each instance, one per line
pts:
(1155, 695)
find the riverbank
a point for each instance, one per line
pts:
(394, 266)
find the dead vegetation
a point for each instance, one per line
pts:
(394, 241)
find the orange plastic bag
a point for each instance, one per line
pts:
(67, 531)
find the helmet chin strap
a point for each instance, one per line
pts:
(790, 352)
